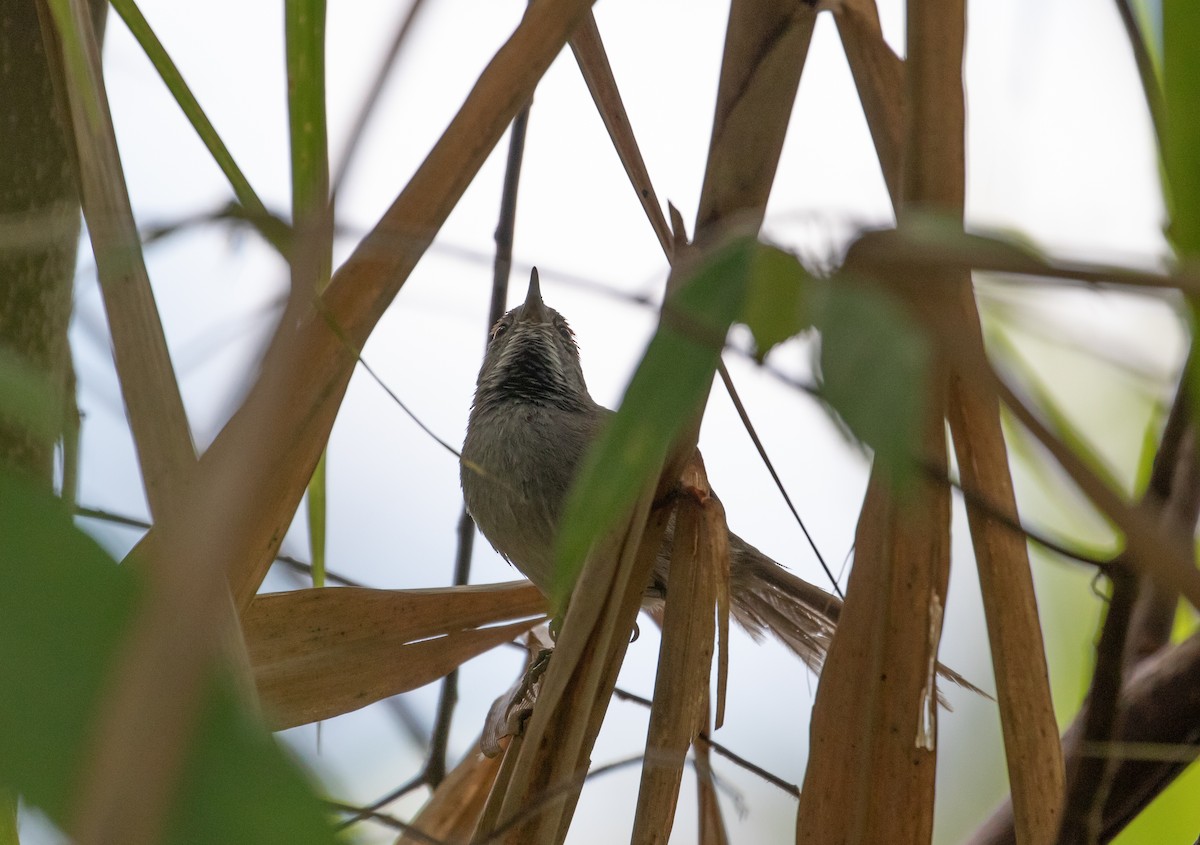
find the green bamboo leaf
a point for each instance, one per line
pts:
(782, 298)
(1181, 95)
(666, 390)
(317, 522)
(874, 373)
(8, 818)
(304, 32)
(275, 231)
(64, 610)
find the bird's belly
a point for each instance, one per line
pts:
(515, 485)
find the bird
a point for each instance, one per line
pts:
(530, 424)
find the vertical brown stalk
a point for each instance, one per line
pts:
(871, 770)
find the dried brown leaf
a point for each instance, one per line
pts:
(318, 653)
(681, 685)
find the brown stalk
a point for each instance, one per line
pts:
(764, 55)
(155, 410)
(595, 632)
(766, 44)
(685, 656)
(593, 63)
(148, 385)
(871, 768)
(1133, 630)
(907, 247)
(489, 817)
(1028, 724)
(362, 288)
(1034, 756)
(879, 77)
(319, 653)
(230, 521)
(870, 772)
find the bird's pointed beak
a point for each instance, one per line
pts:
(534, 309)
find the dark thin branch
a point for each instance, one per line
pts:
(762, 453)
(1090, 777)
(372, 810)
(133, 522)
(1161, 704)
(738, 760)
(1154, 613)
(383, 818)
(983, 504)
(506, 227)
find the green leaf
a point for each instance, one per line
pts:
(874, 372)
(316, 522)
(275, 231)
(782, 299)
(64, 608)
(1149, 16)
(27, 399)
(304, 29)
(8, 818)
(1181, 95)
(666, 390)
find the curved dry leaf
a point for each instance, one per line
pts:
(319, 653)
(681, 687)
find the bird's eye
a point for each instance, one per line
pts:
(500, 328)
(565, 331)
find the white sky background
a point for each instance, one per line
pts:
(1059, 148)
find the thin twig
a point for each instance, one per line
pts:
(141, 524)
(384, 818)
(372, 809)
(1089, 777)
(762, 453)
(723, 750)
(978, 500)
